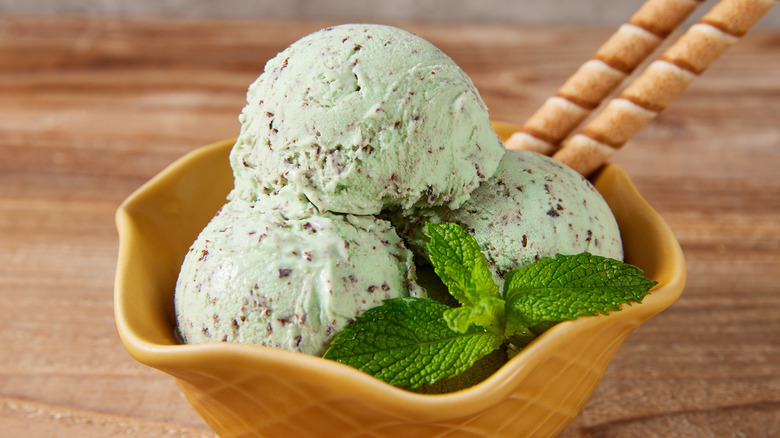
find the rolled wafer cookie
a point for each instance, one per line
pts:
(597, 78)
(660, 83)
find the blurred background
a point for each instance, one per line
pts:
(555, 12)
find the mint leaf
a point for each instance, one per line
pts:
(406, 342)
(460, 264)
(487, 313)
(566, 287)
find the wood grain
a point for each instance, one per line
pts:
(91, 109)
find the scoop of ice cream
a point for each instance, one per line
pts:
(363, 117)
(532, 207)
(276, 272)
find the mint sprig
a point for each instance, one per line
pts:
(415, 341)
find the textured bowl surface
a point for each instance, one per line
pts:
(243, 390)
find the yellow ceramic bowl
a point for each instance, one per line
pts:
(251, 391)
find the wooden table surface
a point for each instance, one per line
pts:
(92, 108)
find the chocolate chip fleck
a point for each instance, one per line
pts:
(285, 272)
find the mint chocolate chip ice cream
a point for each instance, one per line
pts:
(342, 127)
(532, 207)
(364, 117)
(277, 272)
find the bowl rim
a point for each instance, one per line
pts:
(175, 359)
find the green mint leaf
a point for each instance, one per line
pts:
(566, 287)
(460, 264)
(406, 342)
(487, 313)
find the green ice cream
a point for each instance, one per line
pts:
(345, 124)
(364, 117)
(532, 207)
(276, 272)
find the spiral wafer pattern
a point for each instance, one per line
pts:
(664, 79)
(597, 78)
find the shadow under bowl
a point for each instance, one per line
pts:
(252, 391)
